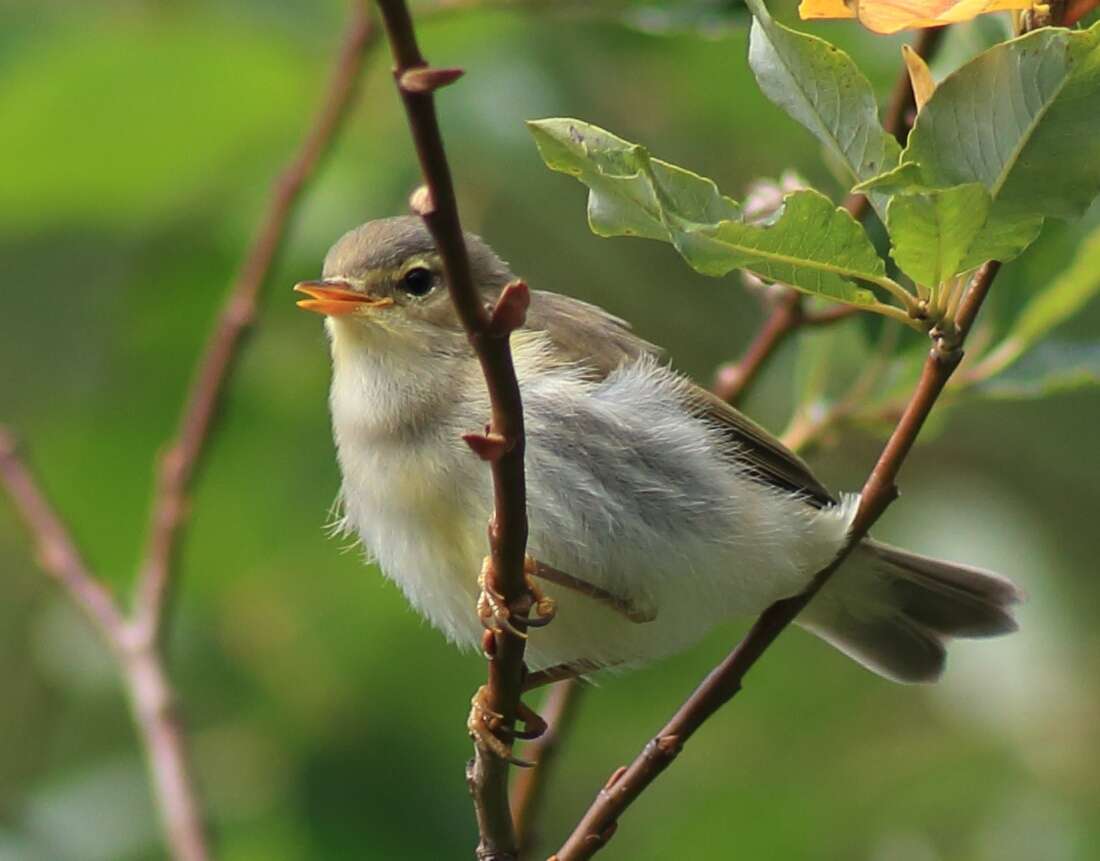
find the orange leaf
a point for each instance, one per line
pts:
(889, 16)
(919, 76)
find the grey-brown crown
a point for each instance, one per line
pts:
(387, 243)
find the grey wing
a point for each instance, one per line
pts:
(590, 337)
(769, 460)
(586, 335)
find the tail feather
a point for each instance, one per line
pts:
(894, 611)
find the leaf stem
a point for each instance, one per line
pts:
(895, 313)
(908, 301)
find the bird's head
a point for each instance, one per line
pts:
(385, 277)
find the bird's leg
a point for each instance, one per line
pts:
(623, 606)
(559, 673)
(493, 610)
(486, 726)
(487, 729)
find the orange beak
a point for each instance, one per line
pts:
(336, 298)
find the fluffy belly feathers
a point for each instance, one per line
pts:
(690, 546)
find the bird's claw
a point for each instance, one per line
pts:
(488, 731)
(494, 612)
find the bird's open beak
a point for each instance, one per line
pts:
(336, 298)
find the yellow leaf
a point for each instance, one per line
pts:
(919, 76)
(889, 16)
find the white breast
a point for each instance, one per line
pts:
(412, 490)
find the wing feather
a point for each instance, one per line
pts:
(588, 336)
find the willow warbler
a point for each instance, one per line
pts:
(656, 510)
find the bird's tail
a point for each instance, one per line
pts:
(894, 611)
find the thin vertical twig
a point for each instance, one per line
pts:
(731, 381)
(502, 445)
(138, 640)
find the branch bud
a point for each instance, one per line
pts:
(425, 79)
(510, 311)
(616, 776)
(421, 201)
(488, 446)
(670, 745)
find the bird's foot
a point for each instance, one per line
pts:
(494, 611)
(488, 731)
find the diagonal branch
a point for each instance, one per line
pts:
(183, 455)
(600, 821)
(732, 380)
(56, 550)
(503, 445)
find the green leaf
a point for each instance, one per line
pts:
(814, 246)
(1000, 238)
(1052, 367)
(900, 180)
(821, 87)
(1003, 237)
(932, 232)
(1023, 119)
(1062, 298)
(623, 201)
(810, 244)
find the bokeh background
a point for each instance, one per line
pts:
(138, 141)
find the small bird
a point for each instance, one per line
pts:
(656, 510)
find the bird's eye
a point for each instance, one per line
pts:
(418, 281)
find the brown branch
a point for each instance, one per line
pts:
(182, 457)
(599, 822)
(731, 381)
(138, 641)
(504, 442)
(56, 551)
(558, 710)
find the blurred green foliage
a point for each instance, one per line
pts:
(137, 144)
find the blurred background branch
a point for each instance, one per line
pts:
(558, 708)
(138, 641)
(181, 460)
